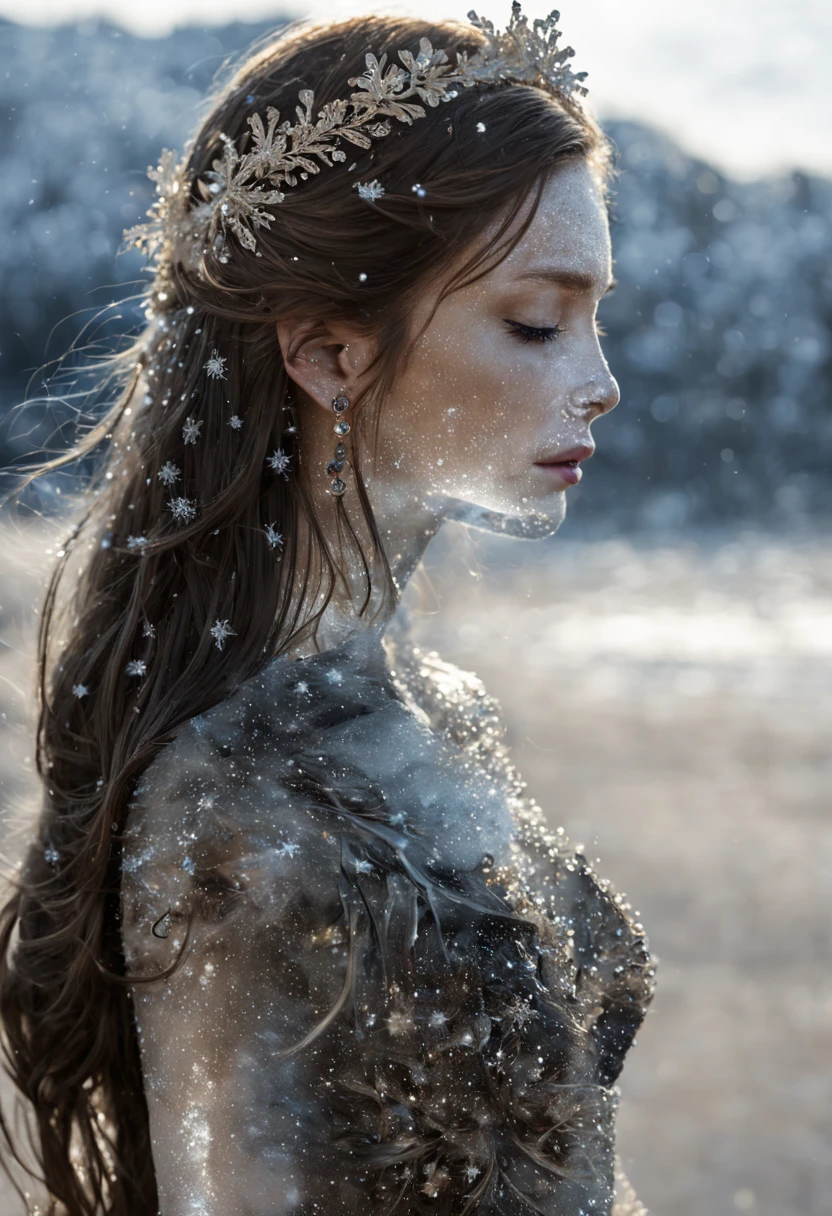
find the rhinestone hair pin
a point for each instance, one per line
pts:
(236, 192)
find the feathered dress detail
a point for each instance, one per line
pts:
(397, 990)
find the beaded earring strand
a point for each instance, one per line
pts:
(340, 404)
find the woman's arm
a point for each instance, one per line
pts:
(246, 897)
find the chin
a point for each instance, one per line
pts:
(523, 523)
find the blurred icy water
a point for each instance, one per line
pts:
(669, 703)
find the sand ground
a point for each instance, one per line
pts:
(669, 703)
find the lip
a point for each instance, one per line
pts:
(566, 465)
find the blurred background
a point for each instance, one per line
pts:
(665, 661)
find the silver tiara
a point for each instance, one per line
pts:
(235, 194)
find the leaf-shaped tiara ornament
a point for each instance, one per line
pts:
(235, 194)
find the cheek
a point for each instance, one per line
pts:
(468, 404)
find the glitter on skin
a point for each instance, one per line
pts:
(475, 406)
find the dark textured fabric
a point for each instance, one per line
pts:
(398, 990)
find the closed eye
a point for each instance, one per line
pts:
(533, 333)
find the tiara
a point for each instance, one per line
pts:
(233, 196)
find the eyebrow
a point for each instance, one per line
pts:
(566, 278)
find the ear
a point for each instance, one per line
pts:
(324, 358)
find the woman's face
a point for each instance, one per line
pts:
(507, 377)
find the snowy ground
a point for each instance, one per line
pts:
(669, 704)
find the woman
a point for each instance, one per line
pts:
(292, 938)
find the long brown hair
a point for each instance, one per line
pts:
(150, 587)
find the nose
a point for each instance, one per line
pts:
(598, 397)
(609, 396)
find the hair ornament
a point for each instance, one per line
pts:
(191, 429)
(169, 473)
(220, 632)
(235, 194)
(183, 510)
(215, 367)
(279, 462)
(369, 191)
(274, 537)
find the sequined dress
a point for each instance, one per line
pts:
(396, 990)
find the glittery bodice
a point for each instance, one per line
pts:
(396, 988)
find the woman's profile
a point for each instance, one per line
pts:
(290, 936)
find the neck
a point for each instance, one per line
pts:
(405, 526)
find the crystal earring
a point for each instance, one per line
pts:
(340, 404)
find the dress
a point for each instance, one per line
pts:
(397, 990)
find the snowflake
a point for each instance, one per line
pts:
(183, 509)
(136, 667)
(480, 127)
(51, 855)
(370, 191)
(168, 474)
(288, 848)
(235, 422)
(80, 690)
(136, 543)
(191, 429)
(149, 631)
(472, 1172)
(273, 537)
(334, 676)
(518, 1012)
(279, 461)
(220, 631)
(301, 686)
(437, 1019)
(215, 367)
(364, 867)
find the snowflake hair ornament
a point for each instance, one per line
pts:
(191, 429)
(182, 509)
(215, 367)
(236, 194)
(169, 473)
(279, 462)
(221, 631)
(274, 537)
(370, 191)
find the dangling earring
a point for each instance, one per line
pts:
(340, 404)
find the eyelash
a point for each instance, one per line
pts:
(534, 333)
